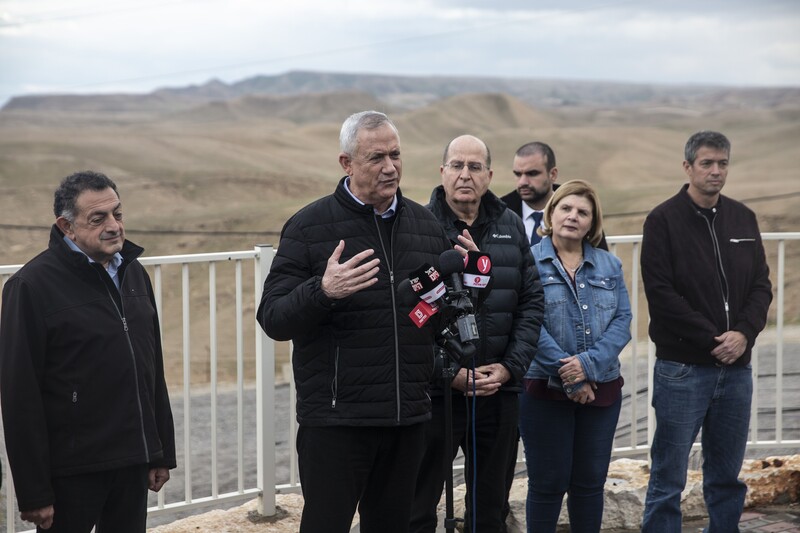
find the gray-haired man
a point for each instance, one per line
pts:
(361, 367)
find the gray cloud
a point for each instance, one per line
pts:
(732, 43)
(677, 7)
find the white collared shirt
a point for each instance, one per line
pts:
(389, 213)
(527, 211)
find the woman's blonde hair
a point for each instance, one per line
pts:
(578, 188)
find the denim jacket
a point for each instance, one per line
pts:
(591, 319)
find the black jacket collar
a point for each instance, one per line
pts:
(130, 251)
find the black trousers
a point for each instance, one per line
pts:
(115, 501)
(370, 468)
(495, 424)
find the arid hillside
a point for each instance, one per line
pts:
(226, 174)
(201, 175)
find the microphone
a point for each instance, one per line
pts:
(422, 310)
(478, 276)
(426, 283)
(425, 290)
(478, 270)
(452, 264)
(406, 294)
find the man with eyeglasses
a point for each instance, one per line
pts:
(508, 320)
(536, 172)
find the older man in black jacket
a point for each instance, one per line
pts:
(508, 322)
(361, 367)
(88, 425)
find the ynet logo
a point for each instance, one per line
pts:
(484, 264)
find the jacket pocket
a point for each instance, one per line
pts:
(68, 420)
(604, 292)
(672, 370)
(555, 289)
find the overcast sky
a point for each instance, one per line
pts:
(84, 46)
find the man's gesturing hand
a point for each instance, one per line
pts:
(343, 279)
(466, 244)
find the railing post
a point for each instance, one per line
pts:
(651, 412)
(265, 394)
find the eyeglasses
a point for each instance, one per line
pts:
(458, 166)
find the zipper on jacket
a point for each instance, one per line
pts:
(335, 382)
(390, 266)
(124, 320)
(723, 279)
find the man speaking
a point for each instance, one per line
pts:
(361, 366)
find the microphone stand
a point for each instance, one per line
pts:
(448, 373)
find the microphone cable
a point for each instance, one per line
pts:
(471, 447)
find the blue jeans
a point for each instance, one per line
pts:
(567, 450)
(686, 398)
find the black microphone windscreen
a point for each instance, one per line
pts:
(451, 262)
(406, 294)
(426, 283)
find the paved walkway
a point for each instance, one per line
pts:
(774, 519)
(779, 519)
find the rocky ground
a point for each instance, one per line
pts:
(771, 481)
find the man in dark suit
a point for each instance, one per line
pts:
(536, 172)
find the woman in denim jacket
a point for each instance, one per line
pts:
(573, 388)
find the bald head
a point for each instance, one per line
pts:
(467, 141)
(466, 175)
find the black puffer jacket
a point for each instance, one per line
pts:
(359, 361)
(81, 371)
(511, 316)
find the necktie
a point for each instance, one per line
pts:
(537, 220)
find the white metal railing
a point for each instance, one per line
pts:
(182, 298)
(773, 338)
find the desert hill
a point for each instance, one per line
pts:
(280, 109)
(217, 168)
(409, 92)
(244, 164)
